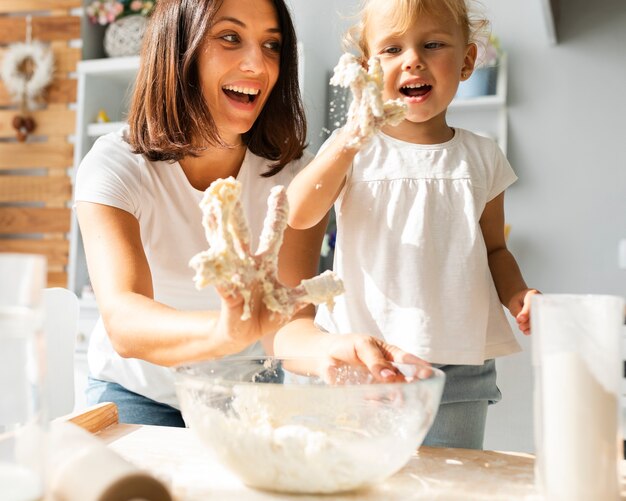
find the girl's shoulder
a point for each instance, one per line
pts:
(477, 141)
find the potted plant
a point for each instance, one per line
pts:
(482, 82)
(125, 21)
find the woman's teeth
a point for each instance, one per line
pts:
(241, 94)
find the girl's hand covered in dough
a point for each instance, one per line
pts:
(519, 306)
(373, 353)
(367, 112)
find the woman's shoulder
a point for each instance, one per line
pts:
(113, 145)
(109, 171)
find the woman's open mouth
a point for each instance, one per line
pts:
(243, 95)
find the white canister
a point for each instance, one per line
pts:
(577, 362)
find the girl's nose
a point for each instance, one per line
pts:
(412, 61)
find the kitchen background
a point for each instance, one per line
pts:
(566, 106)
(565, 110)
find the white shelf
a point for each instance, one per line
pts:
(96, 130)
(478, 103)
(124, 67)
(486, 115)
(549, 10)
(105, 84)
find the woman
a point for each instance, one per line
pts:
(216, 96)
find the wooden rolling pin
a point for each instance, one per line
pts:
(82, 468)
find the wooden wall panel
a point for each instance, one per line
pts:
(56, 251)
(14, 220)
(14, 6)
(52, 121)
(62, 90)
(54, 189)
(35, 184)
(51, 155)
(45, 28)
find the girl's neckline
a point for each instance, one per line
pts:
(436, 146)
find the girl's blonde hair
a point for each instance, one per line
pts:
(405, 13)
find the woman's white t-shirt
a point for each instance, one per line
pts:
(411, 253)
(166, 206)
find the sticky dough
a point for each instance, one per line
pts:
(230, 265)
(368, 112)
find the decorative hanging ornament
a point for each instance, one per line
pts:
(27, 70)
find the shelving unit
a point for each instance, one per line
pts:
(550, 11)
(102, 84)
(485, 114)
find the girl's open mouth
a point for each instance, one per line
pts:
(415, 90)
(242, 95)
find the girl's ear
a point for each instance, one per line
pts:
(471, 52)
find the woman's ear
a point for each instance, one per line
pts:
(469, 61)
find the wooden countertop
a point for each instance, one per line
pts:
(176, 457)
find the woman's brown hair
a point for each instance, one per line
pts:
(168, 116)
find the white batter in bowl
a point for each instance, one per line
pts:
(282, 431)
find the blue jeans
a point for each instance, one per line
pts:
(132, 407)
(460, 420)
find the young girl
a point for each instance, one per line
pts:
(216, 95)
(420, 221)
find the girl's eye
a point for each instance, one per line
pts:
(433, 45)
(391, 50)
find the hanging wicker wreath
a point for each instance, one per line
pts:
(27, 69)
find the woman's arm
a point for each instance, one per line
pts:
(314, 190)
(138, 326)
(507, 277)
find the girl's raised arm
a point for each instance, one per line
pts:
(314, 190)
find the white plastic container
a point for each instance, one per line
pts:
(22, 351)
(577, 361)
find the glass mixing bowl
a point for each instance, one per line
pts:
(281, 429)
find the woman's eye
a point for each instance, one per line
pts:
(273, 45)
(230, 38)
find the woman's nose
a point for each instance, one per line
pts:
(252, 59)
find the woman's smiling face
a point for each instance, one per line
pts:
(239, 64)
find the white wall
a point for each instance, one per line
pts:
(567, 143)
